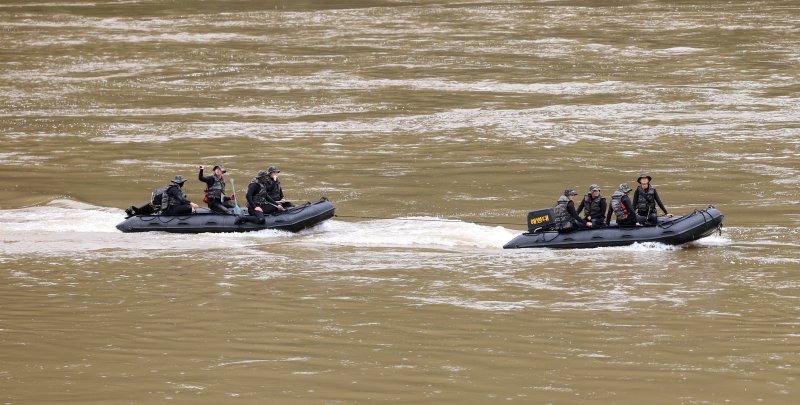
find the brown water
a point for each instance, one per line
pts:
(472, 111)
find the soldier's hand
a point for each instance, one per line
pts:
(669, 215)
(259, 209)
(200, 167)
(280, 208)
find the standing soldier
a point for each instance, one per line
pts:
(645, 199)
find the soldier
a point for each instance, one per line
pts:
(274, 190)
(595, 206)
(258, 201)
(174, 202)
(645, 199)
(215, 190)
(567, 218)
(621, 207)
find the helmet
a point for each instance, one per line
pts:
(625, 188)
(273, 169)
(568, 192)
(178, 180)
(593, 188)
(644, 175)
(220, 167)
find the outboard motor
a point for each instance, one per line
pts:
(541, 220)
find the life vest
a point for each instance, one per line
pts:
(216, 190)
(564, 221)
(592, 207)
(273, 188)
(260, 197)
(618, 207)
(647, 200)
(168, 201)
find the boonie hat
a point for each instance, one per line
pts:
(262, 174)
(568, 192)
(593, 188)
(273, 169)
(625, 188)
(221, 167)
(644, 175)
(179, 179)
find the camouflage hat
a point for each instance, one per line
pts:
(568, 192)
(220, 167)
(642, 176)
(273, 169)
(593, 188)
(261, 174)
(179, 179)
(625, 188)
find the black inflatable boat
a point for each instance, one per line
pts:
(293, 219)
(671, 231)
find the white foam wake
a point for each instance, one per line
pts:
(411, 231)
(71, 227)
(61, 216)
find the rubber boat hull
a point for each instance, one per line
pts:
(293, 219)
(670, 231)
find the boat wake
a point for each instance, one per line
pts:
(67, 226)
(71, 227)
(61, 216)
(411, 232)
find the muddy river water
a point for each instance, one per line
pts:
(434, 127)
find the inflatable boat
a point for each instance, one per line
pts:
(294, 219)
(670, 231)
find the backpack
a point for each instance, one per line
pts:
(155, 198)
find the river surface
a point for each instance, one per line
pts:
(403, 113)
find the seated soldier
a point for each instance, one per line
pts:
(567, 218)
(275, 192)
(215, 189)
(257, 199)
(594, 205)
(174, 202)
(623, 209)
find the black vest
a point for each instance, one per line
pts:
(647, 200)
(273, 188)
(260, 197)
(217, 190)
(591, 207)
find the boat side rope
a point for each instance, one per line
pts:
(670, 223)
